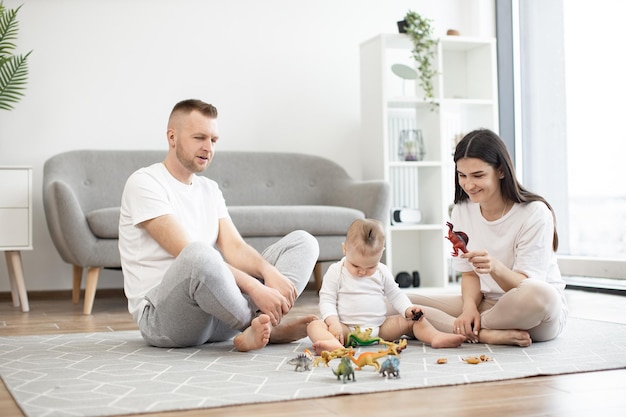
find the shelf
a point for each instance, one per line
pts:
(416, 227)
(394, 113)
(458, 43)
(408, 102)
(415, 164)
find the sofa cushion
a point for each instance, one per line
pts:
(280, 220)
(104, 222)
(254, 220)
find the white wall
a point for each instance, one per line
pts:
(283, 74)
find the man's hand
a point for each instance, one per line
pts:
(270, 302)
(274, 279)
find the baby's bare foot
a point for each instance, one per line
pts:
(256, 336)
(505, 337)
(327, 344)
(447, 340)
(291, 329)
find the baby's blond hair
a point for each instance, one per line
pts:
(367, 236)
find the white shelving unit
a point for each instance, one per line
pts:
(16, 226)
(466, 99)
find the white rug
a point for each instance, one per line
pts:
(100, 374)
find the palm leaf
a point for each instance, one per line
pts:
(8, 30)
(13, 76)
(13, 68)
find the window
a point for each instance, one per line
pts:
(562, 86)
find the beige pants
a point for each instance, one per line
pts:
(535, 306)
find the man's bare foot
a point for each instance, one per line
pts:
(327, 344)
(290, 330)
(256, 336)
(505, 337)
(447, 340)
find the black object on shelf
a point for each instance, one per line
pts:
(406, 280)
(402, 26)
(416, 278)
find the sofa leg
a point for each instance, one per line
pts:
(90, 288)
(77, 281)
(317, 274)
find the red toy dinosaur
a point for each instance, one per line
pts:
(458, 240)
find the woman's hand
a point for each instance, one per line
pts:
(468, 324)
(482, 262)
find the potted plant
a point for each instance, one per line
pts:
(13, 68)
(420, 31)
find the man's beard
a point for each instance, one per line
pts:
(189, 164)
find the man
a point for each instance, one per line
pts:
(189, 276)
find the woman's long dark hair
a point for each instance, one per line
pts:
(485, 145)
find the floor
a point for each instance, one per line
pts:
(565, 395)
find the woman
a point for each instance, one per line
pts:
(512, 292)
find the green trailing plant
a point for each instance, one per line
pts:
(13, 68)
(420, 31)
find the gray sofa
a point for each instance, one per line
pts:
(269, 194)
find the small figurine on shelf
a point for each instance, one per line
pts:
(459, 240)
(411, 145)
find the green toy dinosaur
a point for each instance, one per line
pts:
(361, 338)
(345, 370)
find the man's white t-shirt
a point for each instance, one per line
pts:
(521, 240)
(152, 192)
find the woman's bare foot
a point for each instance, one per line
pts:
(326, 344)
(290, 330)
(256, 336)
(447, 340)
(505, 337)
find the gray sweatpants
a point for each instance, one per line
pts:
(198, 300)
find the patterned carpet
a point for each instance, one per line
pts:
(100, 374)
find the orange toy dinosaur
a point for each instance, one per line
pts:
(369, 358)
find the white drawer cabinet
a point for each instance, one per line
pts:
(16, 225)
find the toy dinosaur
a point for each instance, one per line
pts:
(395, 348)
(459, 240)
(391, 367)
(416, 315)
(370, 358)
(345, 370)
(361, 337)
(328, 356)
(302, 362)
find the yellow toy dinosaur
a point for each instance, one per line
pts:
(395, 348)
(327, 356)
